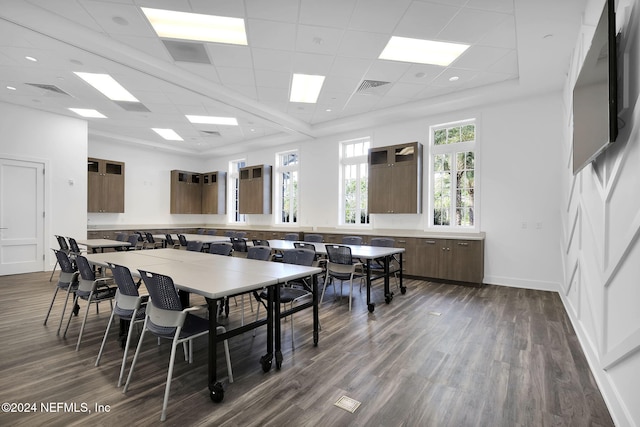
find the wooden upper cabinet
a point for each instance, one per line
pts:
(214, 193)
(105, 189)
(395, 178)
(186, 192)
(255, 190)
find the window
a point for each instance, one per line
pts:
(354, 180)
(287, 183)
(453, 174)
(234, 185)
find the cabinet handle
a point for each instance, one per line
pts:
(463, 244)
(431, 242)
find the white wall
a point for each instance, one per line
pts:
(147, 184)
(519, 159)
(600, 234)
(61, 144)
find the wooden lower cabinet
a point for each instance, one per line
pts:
(448, 259)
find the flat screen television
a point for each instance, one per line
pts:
(595, 106)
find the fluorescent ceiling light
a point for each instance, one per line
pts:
(195, 26)
(422, 51)
(305, 88)
(168, 134)
(211, 120)
(108, 86)
(88, 112)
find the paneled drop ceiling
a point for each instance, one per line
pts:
(517, 48)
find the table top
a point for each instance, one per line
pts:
(102, 243)
(357, 251)
(212, 276)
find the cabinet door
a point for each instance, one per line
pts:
(94, 186)
(467, 261)
(404, 194)
(113, 187)
(380, 193)
(179, 192)
(428, 257)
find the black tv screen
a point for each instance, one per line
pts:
(595, 109)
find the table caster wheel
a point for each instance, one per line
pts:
(403, 290)
(371, 307)
(265, 361)
(217, 393)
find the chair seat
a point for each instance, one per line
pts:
(288, 294)
(126, 314)
(100, 294)
(193, 325)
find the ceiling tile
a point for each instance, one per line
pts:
(471, 25)
(271, 35)
(377, 15)
(333, 13)
(359, 44)
(480, 57)
(225, 55)
(123, 20)
(309, 63)
(425, 20)
(274, 60)
(275, 10)
(315, 39)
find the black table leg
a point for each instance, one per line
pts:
(316, 311)
(276, 325)
(388, 295)
(216, 392)
(266, 360)
(371, 306)
(403, 289)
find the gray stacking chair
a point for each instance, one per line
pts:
(292, 236)
(169, 242)
(150, 242)
(291, 292)
(352, 240)
(129, 306)
(167, 319)
(221, 248)
(64, 247)
(91, 289)
(315, 238)
(211, 232)
(183, 240)
(239, 246)
(121, 237)
(67, 281)
(341, 266)
(195, 246)
(134, 242)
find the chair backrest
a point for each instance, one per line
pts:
(140, 236)
(124, 280)
(122, 237)
(292, 236)
(73, 245)
(200, 231)
(221, 248)
(239, 244)
(299, 256)
(211, 232)
(165, 311)
(182, 239)
(260, 242)
(133, 240)
(150, 238)
(316, 238)
(339, 254)
(386, 242)
(352, 240)
(63, 243)
(305, 245)
(195, 246)
(240, 234)
(87, 277)
(65, 263)
(230, 233)
(262, 253)
(169, 239)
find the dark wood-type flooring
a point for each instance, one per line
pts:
(441, 355)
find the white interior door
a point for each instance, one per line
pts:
(21, 216)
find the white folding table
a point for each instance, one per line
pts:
(215, 277)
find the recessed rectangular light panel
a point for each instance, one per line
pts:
(88, 112)
(306, 88)
(108, 86)
(168, 134)
(422, 51)
(212, 120)
(195, 26)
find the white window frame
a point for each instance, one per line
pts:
(361, 160)
(294, 193)
(452, 149)
(233, 184)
